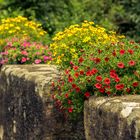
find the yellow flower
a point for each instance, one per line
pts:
(78, 37)
(19, 27)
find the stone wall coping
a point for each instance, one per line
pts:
(40, 74)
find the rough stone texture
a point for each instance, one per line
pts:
(116, 118)
(26, 109)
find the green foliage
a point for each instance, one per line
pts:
(129, 21)
(119, 15)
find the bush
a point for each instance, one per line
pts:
(23, 51)
(111, 71)
(70, 44)
(20, 27)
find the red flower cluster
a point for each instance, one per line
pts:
(91, 72)
(114, 72)
(119, 86)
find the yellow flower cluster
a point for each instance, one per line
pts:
(20, 27)
(67, 44)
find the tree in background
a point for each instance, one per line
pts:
(120, 15)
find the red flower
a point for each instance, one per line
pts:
(81, 59)
(113, 75)
(121, 65)
(70, 79)
(122, 52)
(66, 95)
(135, 84)
(77, 89)
(108, 92)
(107, 87)
(99, 78)
(75, 68)
(107, 81)
(69, 102)
(87, 94)
(102, 90)
(74, 85)
(106, 59)
(128, 90)
(88, 73)
(67, 71)
(70, 110)
(117, 79)
(76, 74)
(81, 72)
(97, 60)
(112, 71)
(132, 62)
(94, 71)
(131, 51)
(119, 86)
(98, 85)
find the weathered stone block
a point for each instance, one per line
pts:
(112, 118)
(26, 108)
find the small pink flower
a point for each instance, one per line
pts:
(37, 53)
(71, 63)
(23, 59)
(47, 58)
(26, 44)
(24, 53)
(37, 61)
(4, 53)
(9, 44)
(3, 62)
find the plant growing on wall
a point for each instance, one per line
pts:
(70, 44)
(101, 71)
(24, 51)
(20, 27)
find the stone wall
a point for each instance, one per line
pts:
(116, 118)
(26, 109)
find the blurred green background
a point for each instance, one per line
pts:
(123, 16)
